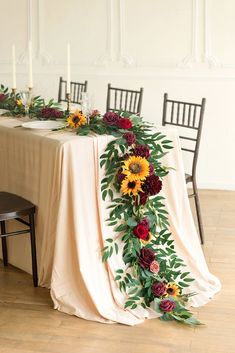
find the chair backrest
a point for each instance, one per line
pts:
(189, 118)
(76, 90)
(124, 99)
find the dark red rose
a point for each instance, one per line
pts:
(142, 199)
(151, 169)
(141, 232)
(167, 305)
(142, 151)
(152, 185)
(120, 177)
(48, 113)
(111, 118)
(124, 123)
(2, 97)
(158, 289)
(144, 222)
(130, 138)
(146, 257)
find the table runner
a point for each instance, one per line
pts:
(60, 173)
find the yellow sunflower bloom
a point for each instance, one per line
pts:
(19, 102)
(131, 187)
(76, 119)
(148, 239)
(172, 290)
(136, 168)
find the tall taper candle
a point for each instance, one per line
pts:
(13, 67)
(30, 66)
(68, 69)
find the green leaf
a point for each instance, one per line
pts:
(131, 222)
(104, 194)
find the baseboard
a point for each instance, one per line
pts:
(216, 186)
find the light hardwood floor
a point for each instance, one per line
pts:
(28, 323)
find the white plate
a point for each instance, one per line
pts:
(44, 125)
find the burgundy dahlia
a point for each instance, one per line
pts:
(130, 138)
(119, 176)
(48, 113)
(142, 151)
(158, 289)
(152, 185)
(167, 305)
(151, 169)
(144, 222)
(124, 123)
(142, 199)
(111, 118)
(146, 257)
(2, 97)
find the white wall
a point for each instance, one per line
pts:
(183, 47)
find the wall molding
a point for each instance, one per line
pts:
(108, 56)
(209, 58)
(192, 58)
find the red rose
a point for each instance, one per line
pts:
(141, 232)
(146, 257)
(167, 305)
(158, 289)
(124, 123)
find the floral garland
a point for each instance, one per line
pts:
(153, 273)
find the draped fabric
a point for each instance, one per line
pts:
(59, 172)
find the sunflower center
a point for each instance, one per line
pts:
(75, 119)
(170, 290)
(135, 168)
(131, 184)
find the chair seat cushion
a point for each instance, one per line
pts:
(13, 206)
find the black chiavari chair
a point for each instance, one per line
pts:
(124, 99)
(188, 117)
(76, 90)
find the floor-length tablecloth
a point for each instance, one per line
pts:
(60, 173)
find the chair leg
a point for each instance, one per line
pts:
(4, 244)
(33, 250)
(198, 210)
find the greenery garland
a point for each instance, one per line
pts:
(153, 275)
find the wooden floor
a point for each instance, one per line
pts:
(29, 324)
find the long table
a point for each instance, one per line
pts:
(59, 172)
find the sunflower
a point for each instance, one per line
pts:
(136, 168)
(19, 102)
(130, 187)
(148, 239)
(172, 290)
(76, 119)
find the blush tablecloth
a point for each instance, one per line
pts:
(59, 172)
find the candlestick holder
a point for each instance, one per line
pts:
(13, 91)
(68, 99)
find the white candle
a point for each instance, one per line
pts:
(13, 67)
(68, 69)
(30, 66)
